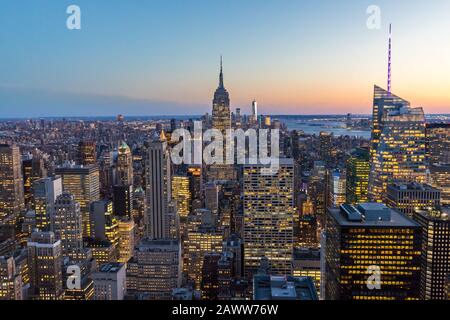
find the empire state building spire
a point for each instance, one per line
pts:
(221, 74)
(221, 97)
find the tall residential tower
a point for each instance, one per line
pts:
(11, 184)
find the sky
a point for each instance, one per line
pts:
(161, 57)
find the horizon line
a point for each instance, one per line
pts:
(193, 115)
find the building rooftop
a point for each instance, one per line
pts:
(112, 267)
(411, 186)
(71, 166)
(306, 254)
(281, 162)
(268, 287)
(159, 244)
(370, 214)
(435, 215)
(438, 125)
(97, 243)
(182, 294)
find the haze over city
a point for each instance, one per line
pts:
(162, 57)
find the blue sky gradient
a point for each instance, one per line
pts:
(154, 57)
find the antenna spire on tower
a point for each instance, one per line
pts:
(221, 73)
(389, 84)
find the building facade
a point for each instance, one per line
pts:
(371, 240)
(358, 169)
(155, 269)
(46, 190)
(438, 143)
(45, 266)
(435, 260)
(407, 198)
(12, 201)
(268, 218)
(158, 190)
(397, 144)
(68, 225)
(83, 182)
(110, 282)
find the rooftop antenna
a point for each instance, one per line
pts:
(221, 73)
(389, 59)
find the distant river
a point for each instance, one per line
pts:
(311, 125)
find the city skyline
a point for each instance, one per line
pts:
(290, 58)
(233, 151)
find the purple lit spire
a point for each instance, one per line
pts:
(389, 59)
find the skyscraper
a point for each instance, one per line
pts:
(362, 240)
(268, 218)
(87, 154)
(33, 168)
(397, 143)
(337, 188)
(229, 207)
(237, 119)
(68, 225)
(221, 120)
(410, 197)
(182, 199)
(317, 191)
(85, 291)
(439, 178)
(139, 211)
(212, 197)
(46, 190)
(195, 182)
(158, 189)
(106, 173)
(123, 200)
(202, 237)
(84, 184)
(103, 222)
(306, 232)
(397, 152)
(358, 169)
(325, 146)
(12, 200)
(255, 109)
(306, 263)
(45, 266)
(126, 239)
(10, 279)
(435, 260)
(221, 117)
(181, 193)
(210, 282)
(438, 143)
(124, 166)
(110, 282)
(155, 269)
(253, 120)
(102, 251)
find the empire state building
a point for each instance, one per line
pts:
(221, 118)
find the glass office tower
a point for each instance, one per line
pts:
(397, 143)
